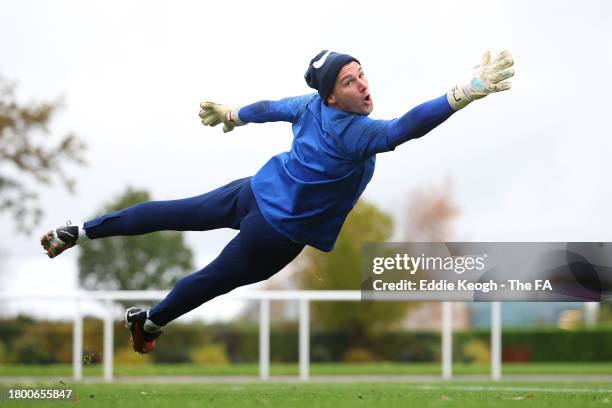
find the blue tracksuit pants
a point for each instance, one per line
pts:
(255, 254)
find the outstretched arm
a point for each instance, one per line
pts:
(286, 109)
(380, 136)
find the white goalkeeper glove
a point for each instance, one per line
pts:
(490, 76)
(214, 113)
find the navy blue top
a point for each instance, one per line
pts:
(307, 192)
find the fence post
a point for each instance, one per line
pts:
(304, 339)
(264, 339)
(108, 340)
(447, 340)
(77, 342)
(496, 340)
(591, 312)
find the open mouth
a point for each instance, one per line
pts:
(367, 98)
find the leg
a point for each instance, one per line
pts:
(220, 208)
(255, 254)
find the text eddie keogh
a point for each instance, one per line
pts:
(456, 264)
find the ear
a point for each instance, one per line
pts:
(331, 100)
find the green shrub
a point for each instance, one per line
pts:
(359, 355)
(31, 352)
(128, 357)
(25, 341)
(210, 354)
(4, 357)
(477, 351)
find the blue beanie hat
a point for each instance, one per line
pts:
(323, 71)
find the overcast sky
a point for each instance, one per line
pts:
(531, 164)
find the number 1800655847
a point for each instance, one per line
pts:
(34, 393)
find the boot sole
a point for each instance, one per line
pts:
(138, 342)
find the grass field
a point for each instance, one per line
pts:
(333, 395)
(251, 393)
(379, 368)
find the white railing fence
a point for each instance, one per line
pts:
(264, 297)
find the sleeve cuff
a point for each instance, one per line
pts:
(457, 97)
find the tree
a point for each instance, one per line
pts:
(29, 153)
(430, 214)
(151, 261)
(340, 270)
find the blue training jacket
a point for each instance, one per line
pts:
(307, 192)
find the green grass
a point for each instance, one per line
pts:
(333, 395)
(315, 369)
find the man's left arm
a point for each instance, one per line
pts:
(378, 136)
(381, 136)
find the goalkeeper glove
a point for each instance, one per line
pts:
(490, 76)
(213, 113)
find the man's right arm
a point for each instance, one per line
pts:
(286, 109)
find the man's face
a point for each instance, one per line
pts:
(351, 92)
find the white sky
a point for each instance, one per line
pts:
(527, 165)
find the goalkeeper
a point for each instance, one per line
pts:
(300, 197)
